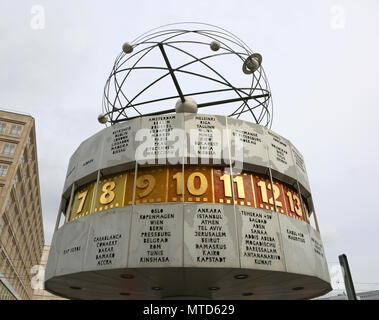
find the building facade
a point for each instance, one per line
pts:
(39, 292)
(21, 227)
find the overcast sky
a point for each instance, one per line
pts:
(321, 59)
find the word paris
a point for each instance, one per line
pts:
(195, 146)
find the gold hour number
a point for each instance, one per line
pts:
(191, 184)
(240, 187)
(294, 207)
(276, 194)
(82, 198)
(179, 182)
(108, 195)
(228, 186)
(146, 182)
(263, 187)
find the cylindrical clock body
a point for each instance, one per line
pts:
(187, 205)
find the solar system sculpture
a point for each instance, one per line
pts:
(187, 192)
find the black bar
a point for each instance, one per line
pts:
(171, 72)
(349, 285)
(208, 104)
(201, 105)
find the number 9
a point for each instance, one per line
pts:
(146, 181)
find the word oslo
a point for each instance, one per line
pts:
(197, 145)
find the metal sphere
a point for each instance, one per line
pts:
(127, 47)
(252, 63)
(102, 118)
(215, 45)
(189, 105)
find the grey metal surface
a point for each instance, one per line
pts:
(297, 246)
(156, 140)
(72, 246)
(247, 145)
(206, 139)
(156, 236)
(119, 145)
(71, 170)
(301, 170)
(181, 272)
(280, 157)
(321, 265)
(53, 254)
(108, 240)
(210, 238)
(90, 155)
(162, 140)
(178, 283)
(260, 239)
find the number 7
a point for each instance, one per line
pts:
(82, 196)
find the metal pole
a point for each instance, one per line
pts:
(349, 285)
(303, 205)
(315, 216)
(272, 190)
(68, 212)
(59, 216)
(95, 194)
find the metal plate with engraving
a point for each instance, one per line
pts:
(210, 236)
(157, 236)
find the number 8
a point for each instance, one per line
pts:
(108, 194)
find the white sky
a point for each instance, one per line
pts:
(321, 59)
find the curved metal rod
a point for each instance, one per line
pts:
(202, 105)
(256, 82)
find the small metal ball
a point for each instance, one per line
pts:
(127, 47)
(215, 45)
(188, 106)
(252, 63)
(102, 118)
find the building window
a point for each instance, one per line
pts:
(3, 125)
(3, 170)
(8, 149)
(15, 129)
